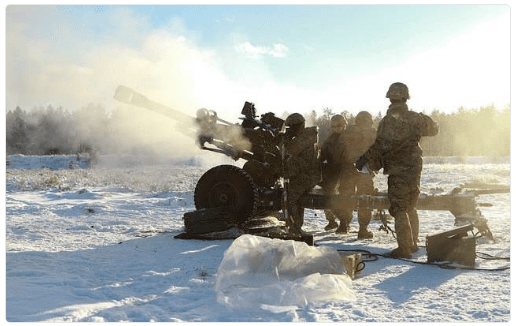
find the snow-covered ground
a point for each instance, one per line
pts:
(98, 244)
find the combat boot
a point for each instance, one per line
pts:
(364, 217)
(400, 252)
(344, 219)
(330, 217)
(292, 222)
(343, 228)
(403, 237)
(414, 226)
(331, 225)
(364, 234)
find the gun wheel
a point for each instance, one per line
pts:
(227, 185)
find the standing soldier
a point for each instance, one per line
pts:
(331, 165)
(302, 166)
(396, 150)
(357, 139)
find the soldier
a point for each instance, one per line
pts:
(357, 139)
(331, 165)
(396, 150)
(302, 165)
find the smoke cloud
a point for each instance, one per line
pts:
(53, 59)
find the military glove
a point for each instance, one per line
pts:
(359, 164)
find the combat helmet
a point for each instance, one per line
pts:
(294, 119)
(398, 91)
(294, 124)
(364, 118)
(338, 120)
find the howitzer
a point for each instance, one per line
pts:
(254, 140)
(241, 196)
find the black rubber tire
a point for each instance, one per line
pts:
(228, 185)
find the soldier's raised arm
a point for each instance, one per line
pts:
(430, 127)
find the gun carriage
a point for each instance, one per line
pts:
(228, 196)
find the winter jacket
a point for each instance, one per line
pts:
(396, 148)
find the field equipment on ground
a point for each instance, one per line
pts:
(251, 198)
(452, 246)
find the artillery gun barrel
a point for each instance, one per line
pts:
(126, 95)
(226, 136)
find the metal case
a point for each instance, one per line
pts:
(453, 246)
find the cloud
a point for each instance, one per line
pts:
(308, 47)
(256, 52)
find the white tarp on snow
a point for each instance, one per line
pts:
(258, 272)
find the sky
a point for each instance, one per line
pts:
(283, 58)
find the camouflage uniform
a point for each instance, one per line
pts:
(303, 170)
(357, 139)
(397, 150)
(331, 152)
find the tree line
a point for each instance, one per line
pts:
(45, 131)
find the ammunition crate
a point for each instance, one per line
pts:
(452, 246)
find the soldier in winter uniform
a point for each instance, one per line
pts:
(331, 152)
(396, 150)
(357, 139)
(302, 165)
